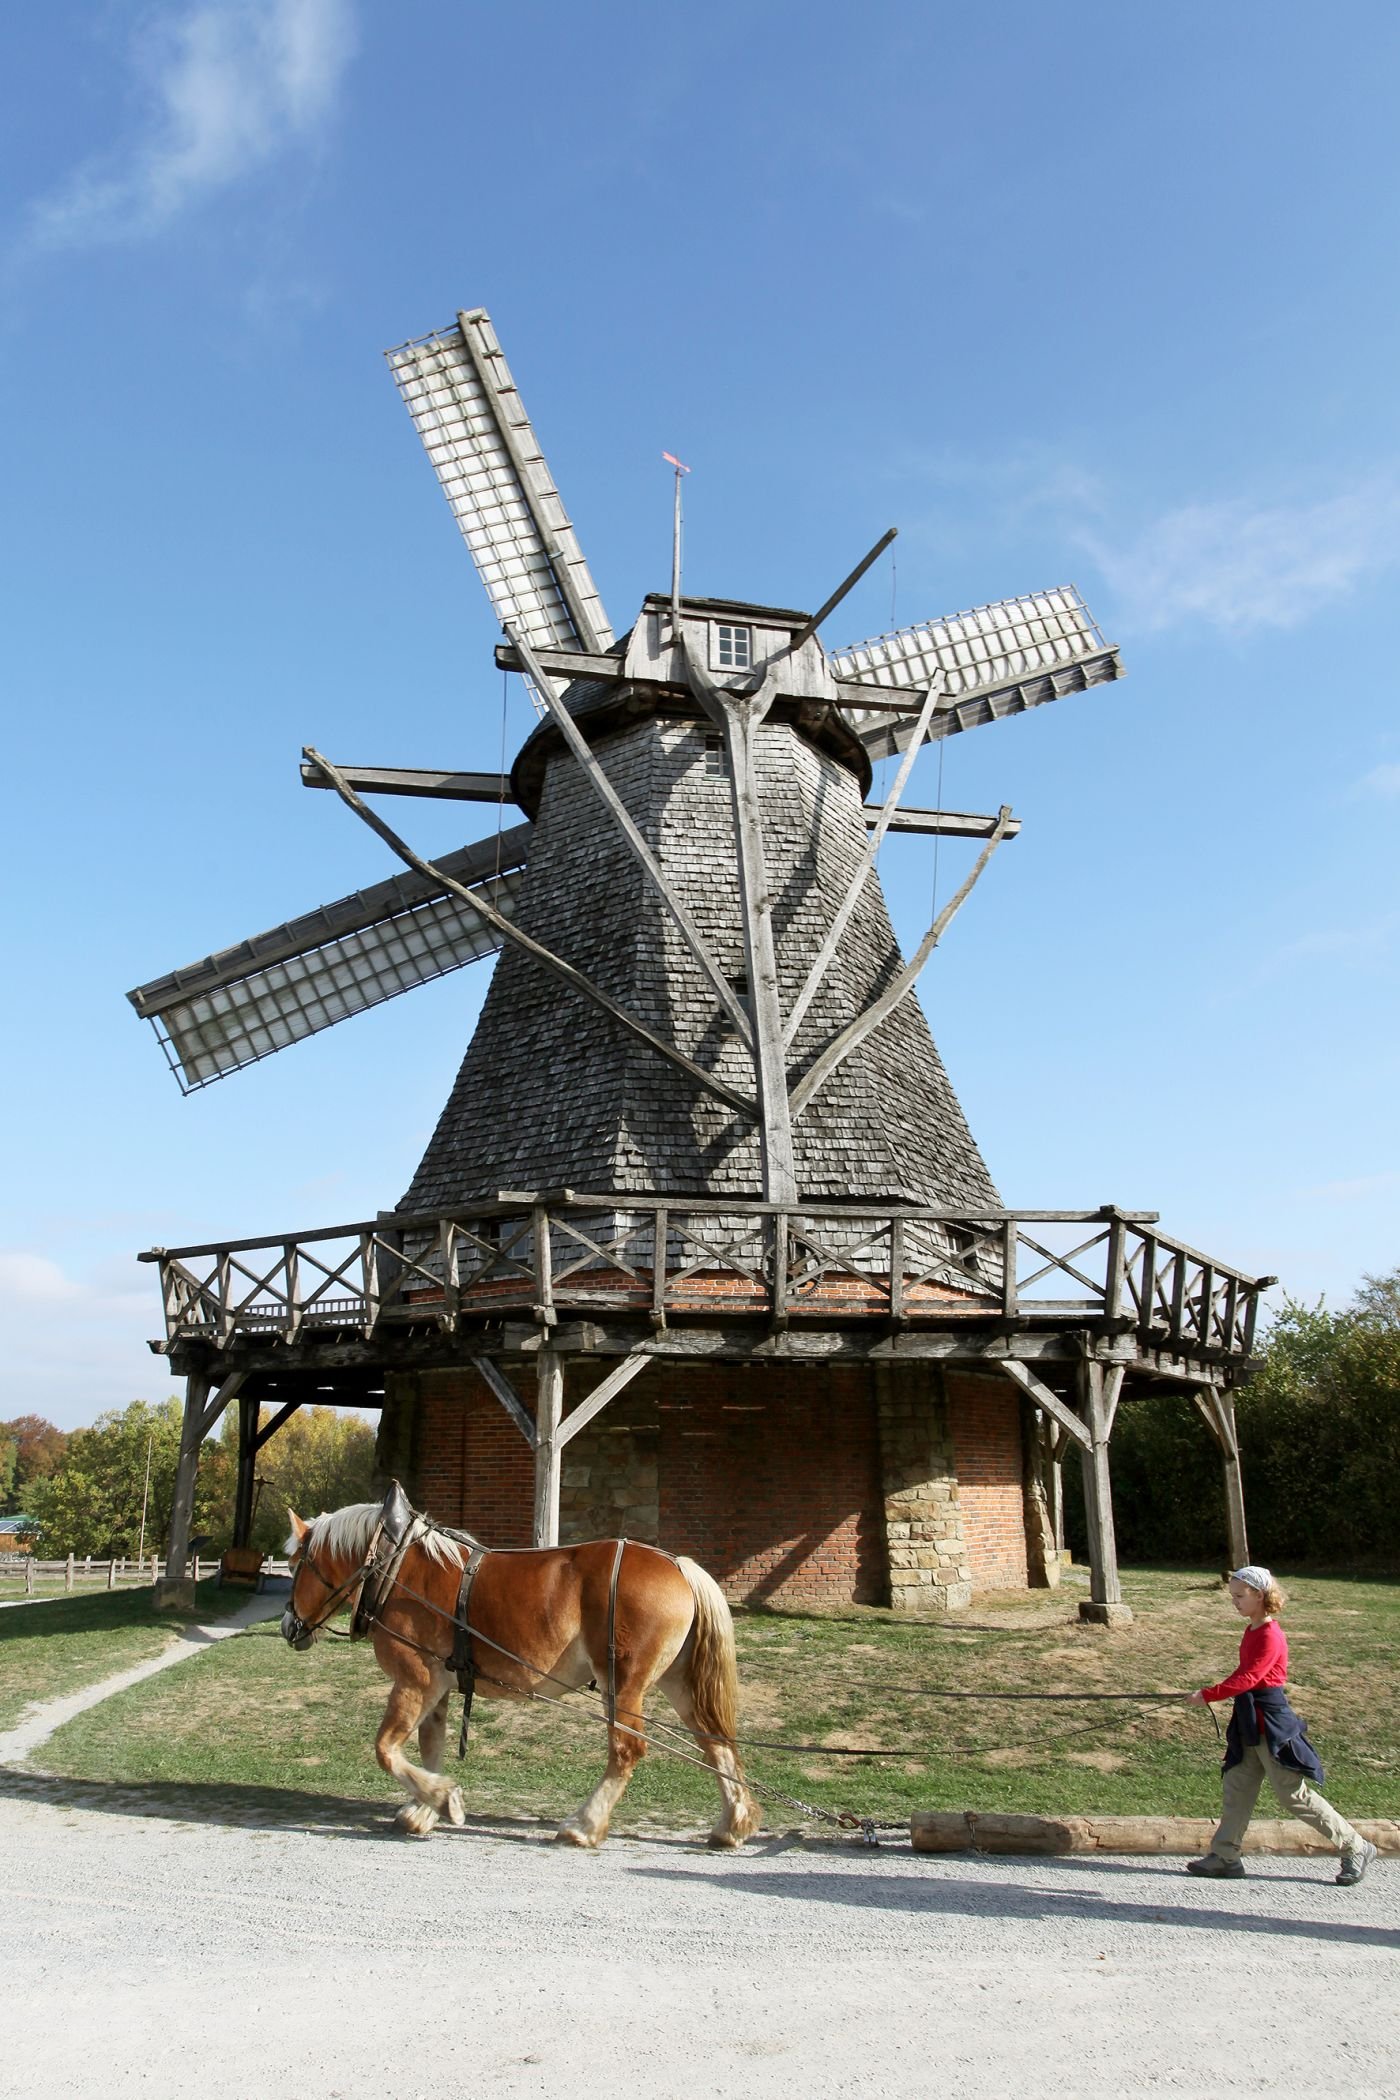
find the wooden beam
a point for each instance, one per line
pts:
(512, 934)
(623, 1374)
(483, 363)
(414, 780)
(1035, 1389)
(852, 1036)
(740, 714)
(804, 634)
(822, 960)
(598, 780)
(270, 1428)
(505, 1392)
(942, 823)
(549, 1406)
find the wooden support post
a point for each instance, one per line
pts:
(248, 1412)
(176, 1592)
(111, 1574)
(1217, 1410)
(549, 1409)
(68, 1573)
(29, 1576)
(1234, 1483)
(1099, 1386)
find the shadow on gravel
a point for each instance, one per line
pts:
(914, 1894)
(290, 1809)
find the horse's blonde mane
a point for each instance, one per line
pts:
(348, 1531)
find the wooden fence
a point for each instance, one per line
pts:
(26, 1569)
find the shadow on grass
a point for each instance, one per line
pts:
(100, 1611)
(943, 1898)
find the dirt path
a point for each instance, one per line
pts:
(234, 1952)
(46, 1717)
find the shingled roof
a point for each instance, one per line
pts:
(552, 1094)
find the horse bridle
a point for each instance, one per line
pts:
(299, 1633)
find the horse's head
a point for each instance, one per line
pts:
(316, 1586)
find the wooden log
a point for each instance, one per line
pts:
(935, 1830)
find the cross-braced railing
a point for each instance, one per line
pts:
(678, 1258)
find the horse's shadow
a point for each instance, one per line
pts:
(293, 1809)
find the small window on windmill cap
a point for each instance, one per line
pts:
(731, 647)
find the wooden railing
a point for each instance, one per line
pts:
(566, 1255)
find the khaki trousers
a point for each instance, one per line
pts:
(1241, 1790)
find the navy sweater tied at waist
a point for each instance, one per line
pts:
(1265, 1715)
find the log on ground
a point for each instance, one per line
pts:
(933, 1830)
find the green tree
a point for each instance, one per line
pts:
(1319, 1429)
(31, 1448)
(92, 1502)
(317, 1460)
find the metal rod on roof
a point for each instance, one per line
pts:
(839, 593)
(680, 468)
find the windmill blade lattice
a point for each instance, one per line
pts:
(468, 412)
(239, 1006)
(993, 661)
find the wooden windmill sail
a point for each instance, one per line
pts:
(701, 989)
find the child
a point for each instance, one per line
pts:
(1266, 1738)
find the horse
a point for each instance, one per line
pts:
(539, 1622)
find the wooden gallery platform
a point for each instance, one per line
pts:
(555, 1302)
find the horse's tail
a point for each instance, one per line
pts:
(713, 1669)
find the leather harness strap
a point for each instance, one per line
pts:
(612, 1633)
(461, 1660)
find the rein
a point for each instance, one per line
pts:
(462, 1663)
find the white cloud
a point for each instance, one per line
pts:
(231, 85)
(1382, 780)
(1239, 563)
(71, 1346)
(1239, 566)
(1358, 1190)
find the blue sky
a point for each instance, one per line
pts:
(1089, 293)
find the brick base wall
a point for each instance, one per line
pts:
(770, 1478)
(805, 1483)
(985, 1414)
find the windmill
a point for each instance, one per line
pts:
(748, 850)
(701, 1089)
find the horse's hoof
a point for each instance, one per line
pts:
(417, 1820)
(570, 1834)
(456, 1808)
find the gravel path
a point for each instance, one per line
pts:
(152, 1950)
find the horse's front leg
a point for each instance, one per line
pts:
(432, 1738)
(430, 1794)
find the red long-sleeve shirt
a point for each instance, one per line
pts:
(1263, 1660)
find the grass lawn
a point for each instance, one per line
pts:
(52, 1648)
(251, 1715)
